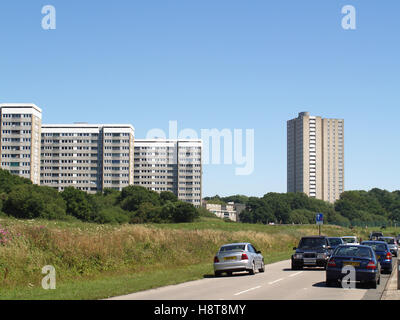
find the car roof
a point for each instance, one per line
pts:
(354, 245)
(349, 237)
(387, 237)
(236, 244)
(373, 241)
(334, 237)
(314, 237)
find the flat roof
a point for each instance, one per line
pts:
(87, 125)
(168, 140)
(20, 105)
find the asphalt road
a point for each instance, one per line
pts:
(278, 282)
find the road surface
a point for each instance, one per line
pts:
(278, 282)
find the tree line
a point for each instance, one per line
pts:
(354, 208)
(134, 204)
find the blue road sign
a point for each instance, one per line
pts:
(320, 218)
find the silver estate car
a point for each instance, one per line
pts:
(236, 257)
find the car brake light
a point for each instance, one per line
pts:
(244, 257)
(371, 265)
(216, 260)
(332, 263)
(388, 256)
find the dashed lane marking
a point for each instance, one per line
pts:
(251, 289)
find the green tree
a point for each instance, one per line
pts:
(395, 216)
(279, 206)
(203, 212)
(168, 196)
(29, 201)
(146, 212)
(301, 216)
(8, 181)
(236, 199)
(133, 196)
(246, 216)
(184, 212)
(78, 204)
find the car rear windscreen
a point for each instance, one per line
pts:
(311, 243)
(335, 241)
(377, 246)
(349, 240)
(351, 251)
(388, 240)
(235, 247)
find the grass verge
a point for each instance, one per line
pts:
(118, 285)
(98, 261)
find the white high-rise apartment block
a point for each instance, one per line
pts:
(315, 156)
(20, 139)
(87, 157)
(170, 165)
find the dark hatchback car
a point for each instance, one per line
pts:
(392, 244)
(375, 235)
(361, 257)
(383, 254)
(313, 251)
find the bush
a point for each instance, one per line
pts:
(203, 212)
(133, 196)
(111, 215)
(301, 216)
(184, 212)
(8, 181)
(78, 204)
(29, 201)
(168, 196)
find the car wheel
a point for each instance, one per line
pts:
(229, 273)
(329, 283)
(217, 273)
(373, 284)
(262, 267)
(253, 269)
(294, 267)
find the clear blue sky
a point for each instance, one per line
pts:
(216, 64)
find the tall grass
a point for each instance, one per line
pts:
(83, 251)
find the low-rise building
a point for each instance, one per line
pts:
(227, 211)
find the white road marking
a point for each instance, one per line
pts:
(275, 281)
(239, 293)
(295, 274)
